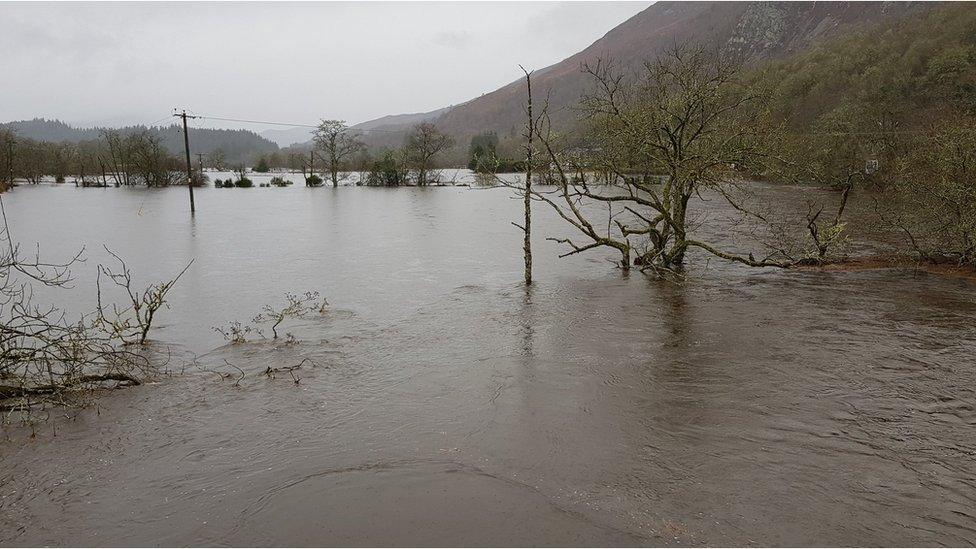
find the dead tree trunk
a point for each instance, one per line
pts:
(527, 226)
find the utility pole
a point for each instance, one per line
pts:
(189, 169)
(10, 160)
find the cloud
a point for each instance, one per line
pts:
(281, 61)
(453, 39)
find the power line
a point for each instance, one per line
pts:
(269, 123)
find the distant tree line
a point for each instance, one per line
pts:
(337, 154)
(115, 159)
(235, 145)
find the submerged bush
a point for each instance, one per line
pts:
(313, 181)
(244, 183)
(280, 182)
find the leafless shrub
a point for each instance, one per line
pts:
(45, 357)
(296, 306)
(131, 324)
(235, 332)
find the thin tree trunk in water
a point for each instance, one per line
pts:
(527, 228)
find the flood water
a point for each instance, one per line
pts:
(448, 405)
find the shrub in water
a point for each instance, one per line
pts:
(244, 183)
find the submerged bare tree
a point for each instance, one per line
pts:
(337, 144)
(45, 356)
(119, 156)
(296, 306)
(526, 191)
(423, 143)
(683, 126)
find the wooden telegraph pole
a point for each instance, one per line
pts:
(189, 169)
(10, 161)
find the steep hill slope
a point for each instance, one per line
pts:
(753, 31)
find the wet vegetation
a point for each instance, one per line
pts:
(885, 118)
(296, 306)
(49, 358)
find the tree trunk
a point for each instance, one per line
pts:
(527, 227)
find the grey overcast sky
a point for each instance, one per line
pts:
(127, 63)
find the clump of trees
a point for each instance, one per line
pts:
(486, 155)
(117, 158)
(887, 116)
(389, 170)
(414, 163)
(661, 151)
(262, 166)
(242, 180)
(930, 193)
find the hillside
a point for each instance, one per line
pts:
(752, 31)
(237, 144)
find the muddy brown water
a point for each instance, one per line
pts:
(450, 406)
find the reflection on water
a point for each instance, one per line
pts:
(450, 405)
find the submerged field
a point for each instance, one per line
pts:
(448, 405)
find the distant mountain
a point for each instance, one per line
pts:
(389, 131)
(286, 138)
(752, 31)
(238, 145)
(397, 121)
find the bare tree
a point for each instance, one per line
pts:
(119, 156)
(422, 144)
(337, 143)
(217, 160)
(682, 126)
(526, 191)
